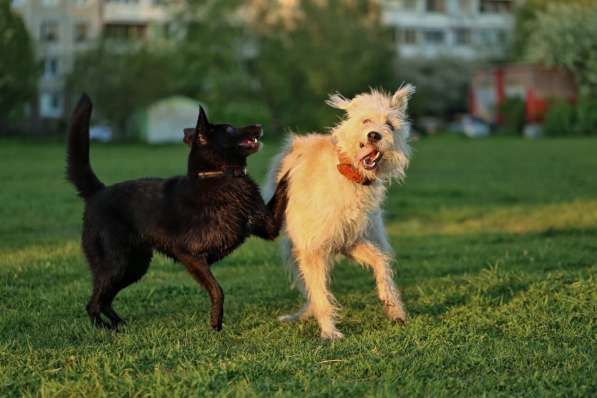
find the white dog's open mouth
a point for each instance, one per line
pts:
(369, 156)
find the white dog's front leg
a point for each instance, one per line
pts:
(368, 254)
(313, 268)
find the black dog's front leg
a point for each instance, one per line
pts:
(199, 269)
(268, 219)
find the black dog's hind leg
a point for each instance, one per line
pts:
(94, 307)
(114, 267)
(198, 267)
(136, 266)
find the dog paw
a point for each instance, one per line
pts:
(395, 313)
(331, 334)
(287, 318)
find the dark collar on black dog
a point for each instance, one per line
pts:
(230, 171)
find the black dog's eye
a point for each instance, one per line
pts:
(361, 145)
(230, 130)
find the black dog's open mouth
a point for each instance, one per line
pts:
(250, 144)
(369, 156)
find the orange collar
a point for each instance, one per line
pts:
(346, 168)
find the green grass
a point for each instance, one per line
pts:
(497, 256)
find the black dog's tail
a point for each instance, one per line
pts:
(78, 168)
(277, 204)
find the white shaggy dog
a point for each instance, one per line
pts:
(336, 187)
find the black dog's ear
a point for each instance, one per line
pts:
(202, 122)
(189, 135)
(202, 127)
(199, 133)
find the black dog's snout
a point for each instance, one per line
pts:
(257, 129)
(373, 136)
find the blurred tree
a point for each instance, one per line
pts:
(317, 48)
(442, 85)
(18, 68)
(560, 34)
(211, 59)
(526, 13)
(121, 79)
(565, 35)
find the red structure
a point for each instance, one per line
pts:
(535, 84)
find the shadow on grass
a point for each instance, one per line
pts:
(437, 274)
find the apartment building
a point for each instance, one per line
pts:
(61, 28)
(467, 29)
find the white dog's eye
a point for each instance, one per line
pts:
(390, 125)
(366, 121)
(361, 145)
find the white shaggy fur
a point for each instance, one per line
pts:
(328, 214)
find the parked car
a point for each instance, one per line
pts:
(101, 133)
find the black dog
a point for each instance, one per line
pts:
(195, 219)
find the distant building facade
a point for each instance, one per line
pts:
(467, 29)
(61, 28)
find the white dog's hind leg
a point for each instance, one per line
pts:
(314, 268)
(369, 255)
(296, 281)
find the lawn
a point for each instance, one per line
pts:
(497, 258)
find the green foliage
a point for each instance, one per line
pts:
(496, 259)
(121, 79)
(586, 116)
(442, 85)
(18, 68)
(512, 111)
(336, 45)
(560, 119)
(208, 58)
(564, 35)
(564, 118)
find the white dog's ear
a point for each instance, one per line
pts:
(338, 101)
(401, 97)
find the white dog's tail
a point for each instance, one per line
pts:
(276, 170)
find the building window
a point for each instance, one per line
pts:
(80, 3)
(50, 104)
(495, 6)
(493, 37)
(80, 33)
(502, 36)
(436, 6)
(465, 6)
(434, 36)
(49, 3)
(462, 36)
(409, 5)
(48, 31)
(408, 36)
(50, 68)
(125, 31)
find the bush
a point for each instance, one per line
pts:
(586, 116)
(560, 119)
(442, 85)
(512, 111)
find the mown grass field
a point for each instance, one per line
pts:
(497, 247)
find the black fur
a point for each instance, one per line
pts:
(196, 221)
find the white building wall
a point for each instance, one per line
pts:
(468, 29)
(55, 27)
